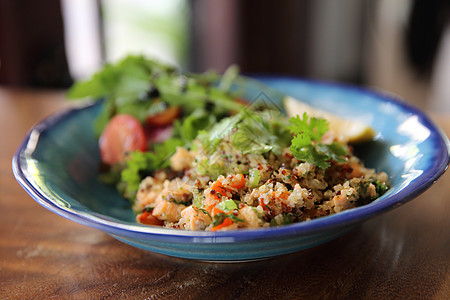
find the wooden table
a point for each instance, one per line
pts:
(402, 254)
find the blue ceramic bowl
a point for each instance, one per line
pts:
(57, 164)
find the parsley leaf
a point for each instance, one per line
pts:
(306, 144)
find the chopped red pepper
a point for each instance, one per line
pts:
(226, 222)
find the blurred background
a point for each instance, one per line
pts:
(401, 46)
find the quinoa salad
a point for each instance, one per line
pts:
(226, 188)
(189, 153)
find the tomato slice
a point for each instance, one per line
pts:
(165, 117)
(123, 134)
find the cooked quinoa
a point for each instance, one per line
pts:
(227, 189)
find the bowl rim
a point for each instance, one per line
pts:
(340, 220)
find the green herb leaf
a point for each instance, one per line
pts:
(251, 135)
(306, 144)
(312, 127)
(381, 187)
(189, 128)
(140, 164)
(212, 138)
(249, 132)
(126, 86)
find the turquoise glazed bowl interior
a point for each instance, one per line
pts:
(58, 160)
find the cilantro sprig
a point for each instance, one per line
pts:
(262, 132)
(307, 146)
(249, 132)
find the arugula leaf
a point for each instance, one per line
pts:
(140, 110)
(306, 145)
(106, 113)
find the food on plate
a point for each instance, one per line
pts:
(189, 154)
(346, 131)
(253, 170)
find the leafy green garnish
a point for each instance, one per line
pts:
(131, 85)
(381, 187)
(189, 128)
(252, 134)
(140, 164)
(249, 132)
(210, 139)
(142, 87)
(306, 144)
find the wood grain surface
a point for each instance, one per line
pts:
(402, 254)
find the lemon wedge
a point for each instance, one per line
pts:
(346, 131)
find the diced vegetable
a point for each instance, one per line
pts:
(149, 219)
(255, 176)
(227, 205)
(226, 222)
(165, 117)
(122, 134)
(238, 181)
